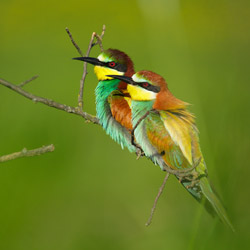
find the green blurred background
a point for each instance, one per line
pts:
(88, 193)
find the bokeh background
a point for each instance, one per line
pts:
(88, 193)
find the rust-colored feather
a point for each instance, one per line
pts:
(165, 99)
(121, 111)
(119, 107)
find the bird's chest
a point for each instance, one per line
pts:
(142, 120)
(102, 92)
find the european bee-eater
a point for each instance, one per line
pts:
(112, 98)
(168, 135)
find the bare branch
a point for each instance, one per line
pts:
(91, 45)
(80, 96)
(73, 41)
(27, 153)
(50, 103)
(156, 200)
(99, 38)
(27, 81)
(103, 30)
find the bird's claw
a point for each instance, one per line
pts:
(193, 183)
(139, 153)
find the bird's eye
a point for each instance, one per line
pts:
(145, 84)
(112, 64)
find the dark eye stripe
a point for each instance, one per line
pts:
(149, 86)
(118, 66)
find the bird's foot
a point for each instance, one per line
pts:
(193, 183)
(191, 177)
(139, 153)
(189, 174)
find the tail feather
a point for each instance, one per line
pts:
(214, 202)
(205, 194)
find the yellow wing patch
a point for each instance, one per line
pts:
(180, 132)
(129, 101)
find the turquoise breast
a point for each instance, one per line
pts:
(117, 132)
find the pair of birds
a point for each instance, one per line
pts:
(140, 113)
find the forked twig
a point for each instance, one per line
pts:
(27, 153)
(156, 200)
(49, 102)
(80, 96)
(74, 110)
(91, 45)
(99, 38)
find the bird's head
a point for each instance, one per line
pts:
(148, 86)
(143, 85)
(110, 62)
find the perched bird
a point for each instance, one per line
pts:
(112, 98)
(167, 134)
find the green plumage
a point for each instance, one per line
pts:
(160, 136)
(117, 132)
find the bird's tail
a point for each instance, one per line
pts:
(204, 193)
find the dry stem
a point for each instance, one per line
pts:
(80, 96)
(156, 200)
(49, 102)
(91, 45)
(27, 153)
(73, 41)
(74, 110)
(27, 81)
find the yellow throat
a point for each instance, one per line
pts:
(102, 72)
(139, 94)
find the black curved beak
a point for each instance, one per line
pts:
(91, 60)
(123, 78)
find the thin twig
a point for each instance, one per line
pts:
(27, 81)
(156, 200)
(99, 38)
(27, 153)
(91, 45)
(73, 41)
(85, 72)
(80, 96)
(49, 102)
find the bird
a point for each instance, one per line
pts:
(112, 98)
(166, 131)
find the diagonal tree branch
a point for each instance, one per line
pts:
(74, 110)
(49, 102)
(27, 153)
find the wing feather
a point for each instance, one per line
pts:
(179, 130)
